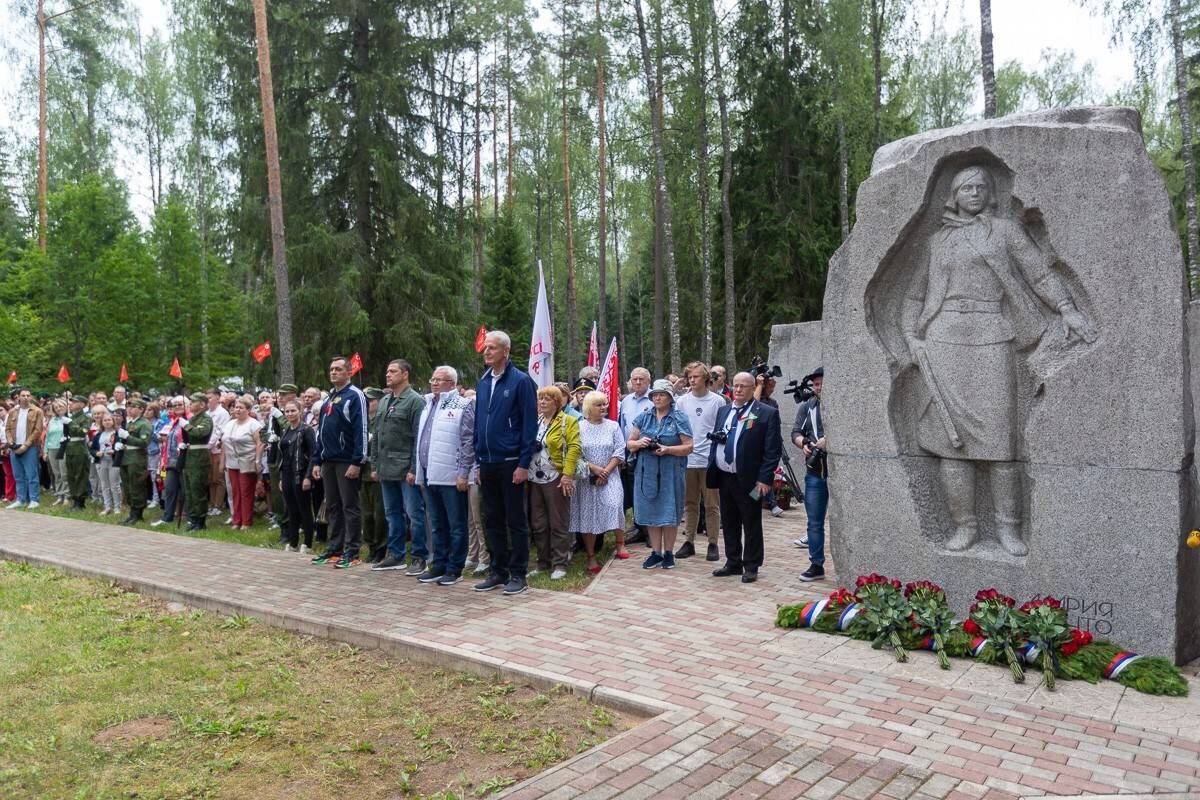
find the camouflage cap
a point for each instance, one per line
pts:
(200, 397)
(135, 401)
(373, 393)
(289, 388)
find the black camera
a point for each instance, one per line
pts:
(538, 445)
(655, 443)
(813, 459)
(717, 437)
(800, 390)
(760, 367)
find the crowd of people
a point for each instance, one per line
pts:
(440, 484)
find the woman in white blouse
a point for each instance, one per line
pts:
(243, 448)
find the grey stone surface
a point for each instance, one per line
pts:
(796, 348)
(976, 441)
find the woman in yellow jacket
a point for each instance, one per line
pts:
(551, 483)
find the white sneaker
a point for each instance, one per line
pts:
(214, 512)
(33, 505)
(158, 523)
(533, 572)
(800, 542)
(15, 504)
(287, 548)
(229, 521)
(480, 569)
(558, 574)
(304, 549)
(468, 564)
(152, 504)
(776, 511)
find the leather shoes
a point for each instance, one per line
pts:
(750, 576)
(727, 570)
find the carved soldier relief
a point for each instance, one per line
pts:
(976, 311)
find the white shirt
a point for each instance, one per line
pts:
(732, 427)
(701, 412)
(220, 418)
(22, 430)
(238, 443)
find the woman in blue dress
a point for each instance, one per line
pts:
(662, 439)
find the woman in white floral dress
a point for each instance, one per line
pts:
(597, 506)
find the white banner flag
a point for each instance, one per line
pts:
(541, 344)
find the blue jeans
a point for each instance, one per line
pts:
(399, 499)
(448, 512)
(816, 499)
(27, 474)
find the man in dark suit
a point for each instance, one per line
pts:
(743, 468)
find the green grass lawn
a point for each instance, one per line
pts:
(108, 694)
(260, 535)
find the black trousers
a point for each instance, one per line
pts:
(316, 496)
(299, 510)
(741, 524)
(504, 522)
(342, 509)
(172, 494)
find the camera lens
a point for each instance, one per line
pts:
(539, 474)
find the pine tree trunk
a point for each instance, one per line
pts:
(508, 78)
(726, 173)
(843, 181)
(701, 78)
(663, 202)
(478, 227)
(572, 333)
(987, 59)
(1183, 106)
(601, 185)
(616, 239)
(495, 130)
(283, 299)
(878, 9)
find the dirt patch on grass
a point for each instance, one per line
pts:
(144, 728)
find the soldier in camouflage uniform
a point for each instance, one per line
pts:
(134, 466)
(375, 528)
(196, 462)
(78, 459)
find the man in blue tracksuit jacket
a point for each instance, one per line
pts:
(338, 460)
(505, 430)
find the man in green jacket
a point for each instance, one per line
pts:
(196, 462)
(78, 459)
(392, 462)
(134, 465)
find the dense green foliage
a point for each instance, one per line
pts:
(386, 112)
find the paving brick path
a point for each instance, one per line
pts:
(743, 709)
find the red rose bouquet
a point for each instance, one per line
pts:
(931, 615)
(885, 611)
(1043, 623)
(996, 619)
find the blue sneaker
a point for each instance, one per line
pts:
(668, 560)
(653, 560)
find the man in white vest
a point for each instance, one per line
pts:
(445, 454)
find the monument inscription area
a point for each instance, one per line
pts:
(1006, 356)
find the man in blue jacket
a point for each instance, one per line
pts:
(338, 461)
(505, 430)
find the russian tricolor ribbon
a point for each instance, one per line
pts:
(810, 612)
(848, 614)
(1118, 664)
(1029, 652)
(977, 645)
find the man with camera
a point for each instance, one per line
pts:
(809, 435)
(746, 447)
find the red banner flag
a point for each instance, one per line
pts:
(610, 380)
(64, 374)
(356, 364)
(480, 338)
(176, 372)
(262, 352)
(12, 377)
(593, 358)
(124, 373)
